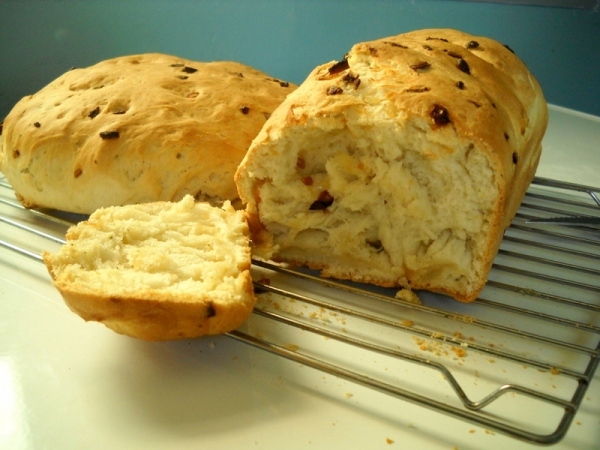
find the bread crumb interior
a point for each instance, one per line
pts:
(405, 205)
(179, 251)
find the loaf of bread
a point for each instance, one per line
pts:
(400, 165)
(136, 129)
(158, 271)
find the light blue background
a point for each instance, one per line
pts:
(40, 39)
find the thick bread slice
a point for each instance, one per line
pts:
(401, 165)
(136, 129)
(158, 271)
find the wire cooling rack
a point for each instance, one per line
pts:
(530, 342)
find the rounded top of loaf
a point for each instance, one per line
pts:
(134, 129)
(441, 80)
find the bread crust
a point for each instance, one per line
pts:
(464, 93)
(136, 129)
(159, 318)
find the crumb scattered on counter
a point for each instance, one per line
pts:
(459, 351)
(465, 319)
(438, 348)
(408, 296)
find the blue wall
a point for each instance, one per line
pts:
(40, 39)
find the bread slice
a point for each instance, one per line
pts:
(400, 165)
(159, 270)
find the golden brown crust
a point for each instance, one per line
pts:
(135, 129)
(465, 95)
(159, 319)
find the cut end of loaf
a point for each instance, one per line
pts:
(158, 271)
(384, 206)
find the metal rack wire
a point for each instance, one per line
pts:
(539, 314)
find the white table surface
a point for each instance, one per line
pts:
(67, 384)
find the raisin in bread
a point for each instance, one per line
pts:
(400, 165)
(136, 129)
(158, 271)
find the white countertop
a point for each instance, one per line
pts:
(67, 384)
(571, 148)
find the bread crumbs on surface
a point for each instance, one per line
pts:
(459, 351)
(407, 323)
(554, 371)
(437, 347)
(489, 432)
(389, 441)
(465, 319)
(291, 347)
(348, 395)
(471, 431)
(408, 296)
(428, 346)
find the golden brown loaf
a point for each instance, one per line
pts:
(401, 165)
(158, 271)
(136, 129)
